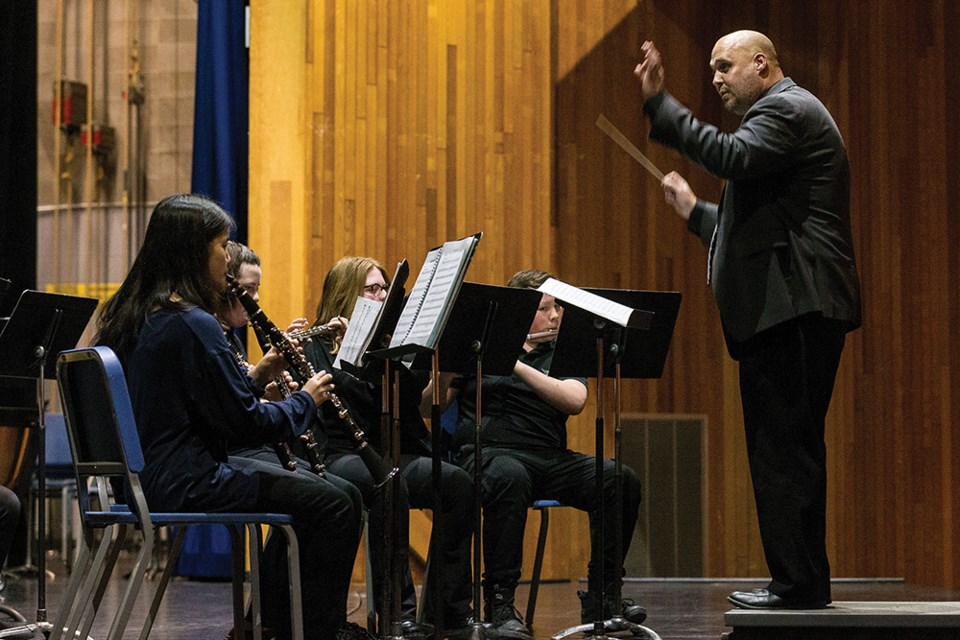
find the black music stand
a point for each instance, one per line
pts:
(589, 345)
(478, 312)
(40, 327)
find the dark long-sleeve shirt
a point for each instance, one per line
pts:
(189, 396)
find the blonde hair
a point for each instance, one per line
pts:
(343, 284)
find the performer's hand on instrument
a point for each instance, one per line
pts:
(678, 194)
(319, 387)
(339, 324)
(297, 324)
(272, 392)
(271, 365)
(650, 71)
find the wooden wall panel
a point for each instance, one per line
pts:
(393, 127)
(385, 128)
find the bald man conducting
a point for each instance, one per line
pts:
(781, 266)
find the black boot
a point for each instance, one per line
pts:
(503, 615)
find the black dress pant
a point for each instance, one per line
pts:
(326, 513)
(787, 375)
(513, 479)
(9, 516)
(416, 491)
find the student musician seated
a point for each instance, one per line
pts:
(189, 396)
(525, 458)
(347, 280)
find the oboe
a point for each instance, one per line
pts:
(378, 468)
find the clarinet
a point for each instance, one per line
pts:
(378, 468)
(310, 444)
(282, 449)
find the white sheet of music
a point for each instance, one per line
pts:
(411, 309)
(357, 337)
(598, 305)
(430, 297)
(444, 278)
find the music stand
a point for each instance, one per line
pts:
(40, 327)
(478, 312)
(590, 345)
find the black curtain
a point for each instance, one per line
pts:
(18, 148)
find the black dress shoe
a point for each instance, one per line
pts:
(763, 599)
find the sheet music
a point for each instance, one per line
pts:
(424, 314)
(357, 337)
(598, 305)
(415, 301)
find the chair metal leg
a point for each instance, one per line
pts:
(68, 601)
(537, 566)
(293, 571)
(133, 587)
(256, 615)
(164, 580)
(104, 579)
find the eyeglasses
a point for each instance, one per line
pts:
(376, 288)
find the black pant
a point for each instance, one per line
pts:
(514, 479)
(416, 491)
(326, 517)
(9, 516)
(786, 381)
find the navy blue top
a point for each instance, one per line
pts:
(513, 415)
(188, 396)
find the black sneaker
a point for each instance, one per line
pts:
(353, 631)
(416, 630)
(628, 609)
(507, 622)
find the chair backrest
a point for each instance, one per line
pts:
(58, 461)
(100, 423)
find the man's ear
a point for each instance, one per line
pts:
(760, 62)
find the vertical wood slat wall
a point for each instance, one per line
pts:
(385, 128)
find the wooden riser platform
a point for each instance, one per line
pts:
(849, 621)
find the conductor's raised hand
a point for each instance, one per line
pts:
(650, 71)
(678, 194)
(320, 386)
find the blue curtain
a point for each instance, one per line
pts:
(221, 117)
(221, 110)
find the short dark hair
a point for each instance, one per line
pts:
(528, 279)
(239, 255)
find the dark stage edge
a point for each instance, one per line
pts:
(850, 620)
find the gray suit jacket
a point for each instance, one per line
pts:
(783, 245)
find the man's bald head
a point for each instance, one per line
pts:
(745, 65)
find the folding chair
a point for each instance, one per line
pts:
(105, 446)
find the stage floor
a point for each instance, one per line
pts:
(677, 609)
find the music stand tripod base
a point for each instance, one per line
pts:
(615, 627)
(22, 628)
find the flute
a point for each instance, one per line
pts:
(542, 334)
(323, 330)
